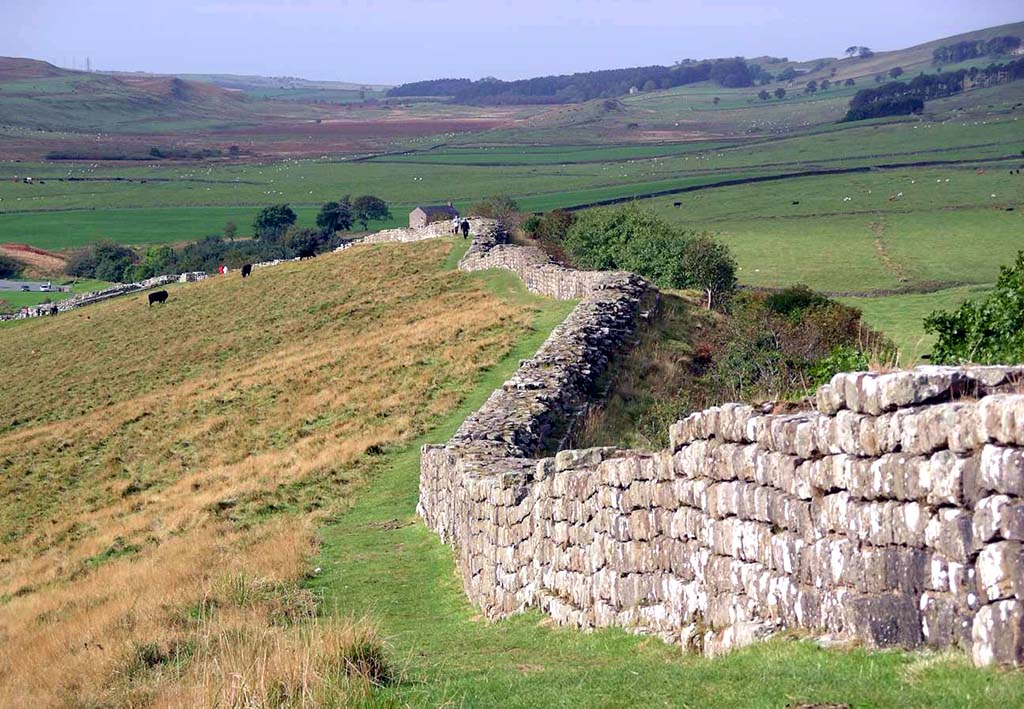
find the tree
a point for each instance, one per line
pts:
(716, 100)
(990, 331)
(849, 82)
(763, 95)
(9, 268)
(500, 207)
(811, 87)
(864, 53)
(780, 93)
(105, 261)
(879, 78)
(335, 216)
(230, 231)
(367, 208)
(649, 85)
(271, 221)
(158, 261)
(788, 74)
(303, 242)
(851, 51)
(896, 72)
(631, 239)
(709, 266)
(825, 84)
(731, 73)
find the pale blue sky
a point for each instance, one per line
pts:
(391, 41)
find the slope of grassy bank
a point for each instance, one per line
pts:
(162, 468)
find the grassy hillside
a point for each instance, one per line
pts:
(161, 468)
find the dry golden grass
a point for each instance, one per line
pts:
(154, 458)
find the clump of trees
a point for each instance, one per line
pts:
(9, 268)
(898, 98)
(584, 86)
(990, 331)
(862, 52)
(632, 239)
(271, 222)
(105, 261)
(972, 49)
(500, 207)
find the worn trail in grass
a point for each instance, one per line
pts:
(378, 559)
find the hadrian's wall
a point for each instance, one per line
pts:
(893, 514)
(120, 289)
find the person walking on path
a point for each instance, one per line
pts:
(465, 228)
(455, 225)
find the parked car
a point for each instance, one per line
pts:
(26, 288)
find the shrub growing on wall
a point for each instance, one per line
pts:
(632, 239)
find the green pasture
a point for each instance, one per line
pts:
(548, 154)
(901, 317)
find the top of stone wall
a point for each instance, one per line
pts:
(878, 392)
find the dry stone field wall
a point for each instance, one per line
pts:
(892, 514)
(83, 299)
(430, 231)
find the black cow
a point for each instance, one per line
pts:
(159, 296)
(246, 270)
(677, 204)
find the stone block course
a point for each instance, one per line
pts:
(892, 514)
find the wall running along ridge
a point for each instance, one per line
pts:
(892, 515)
(115, 291)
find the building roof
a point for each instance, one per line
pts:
(435, 209)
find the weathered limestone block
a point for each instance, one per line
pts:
(999, 516)
(886, 620)
(1001, 418)
(998, 634)
(950, 532)
(1002, 470)
(1000, 571)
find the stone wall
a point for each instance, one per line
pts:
(430, 231)
(83, 299)
(893, 514)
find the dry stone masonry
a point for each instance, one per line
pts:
(893, 514)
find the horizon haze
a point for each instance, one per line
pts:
(405, 40)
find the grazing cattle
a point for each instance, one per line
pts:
(677, 204)
(796, 201)
(159, 296)
(246, 270)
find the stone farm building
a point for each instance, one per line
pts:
(423, 215)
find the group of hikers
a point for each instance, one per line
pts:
(460, 225)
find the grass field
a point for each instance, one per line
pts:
(160, 482)
(901, 316)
